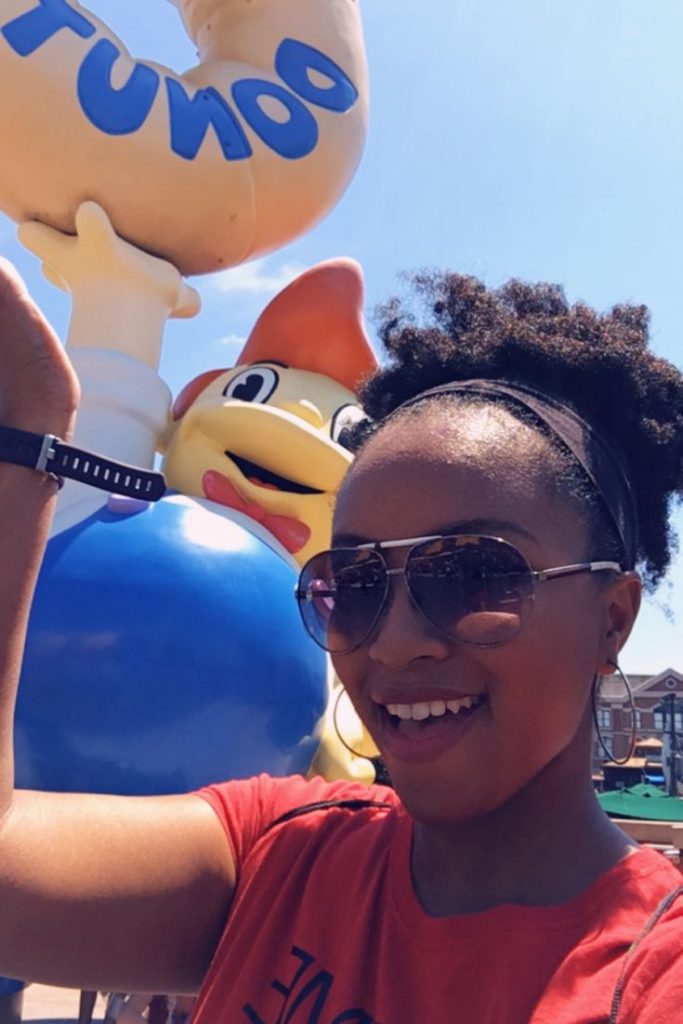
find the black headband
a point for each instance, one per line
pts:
(602, 463)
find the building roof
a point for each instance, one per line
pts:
(652, 743)
(633, 762)
(613, 690)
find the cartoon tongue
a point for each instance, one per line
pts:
(291, 533)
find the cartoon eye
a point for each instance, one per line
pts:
(344, 418)
(256, 384)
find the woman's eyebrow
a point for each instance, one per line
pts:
(491, 527)
(349, 540)
(488, 527)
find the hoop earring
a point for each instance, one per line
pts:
(632, 708)
(382, 777)
(347, 746)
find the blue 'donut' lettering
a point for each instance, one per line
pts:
(294, 138)
(294, 62)
(191, 118)
(115, 111)
(31, 30)
(124, 110)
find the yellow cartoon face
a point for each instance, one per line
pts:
(264, 439)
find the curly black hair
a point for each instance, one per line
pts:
(599, 364)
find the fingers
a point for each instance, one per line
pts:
(93, 224)
(42, 240)
(38, 388)
(54, 278)
(48, 245)
(189, 302)
(18, 311)
(11, 280)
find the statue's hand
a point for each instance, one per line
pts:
(121, 295)
(96, 253)
(39, 390)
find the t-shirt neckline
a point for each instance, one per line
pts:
(509, 916)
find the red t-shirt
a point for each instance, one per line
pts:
(325, 928)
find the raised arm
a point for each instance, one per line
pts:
(96, 892)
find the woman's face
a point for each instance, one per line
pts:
(423, 476)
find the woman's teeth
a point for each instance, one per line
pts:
(431, 709)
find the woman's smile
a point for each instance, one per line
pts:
(426, 729)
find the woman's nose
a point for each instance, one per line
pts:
(403, 634)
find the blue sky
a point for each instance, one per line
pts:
(530, 139)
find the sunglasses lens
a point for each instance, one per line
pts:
(340, 596)
(478, 590)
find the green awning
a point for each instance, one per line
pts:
(649, 803)
(648, 791)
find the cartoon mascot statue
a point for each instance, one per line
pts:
(267, 438)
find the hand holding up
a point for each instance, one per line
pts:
(39, 390)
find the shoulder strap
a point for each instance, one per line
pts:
(665, 904)
(356, 804)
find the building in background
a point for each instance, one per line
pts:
(653, 698)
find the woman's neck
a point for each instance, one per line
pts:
(543, 847)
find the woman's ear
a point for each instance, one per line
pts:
(622, 603)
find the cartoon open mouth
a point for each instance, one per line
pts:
(262, 477)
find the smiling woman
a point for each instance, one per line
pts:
(516, 470)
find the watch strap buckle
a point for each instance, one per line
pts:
(49, 454)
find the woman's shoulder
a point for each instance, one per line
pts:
(274, 797)
(650, 982)
(249, 808)
(644, 871)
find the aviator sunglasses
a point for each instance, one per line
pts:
(474, 589)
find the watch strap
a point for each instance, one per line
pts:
(21, 447)
(49, 454)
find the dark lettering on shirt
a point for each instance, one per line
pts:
(306, 996)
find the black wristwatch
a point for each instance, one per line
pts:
(50, 455)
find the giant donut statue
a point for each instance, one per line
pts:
(260, 138)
